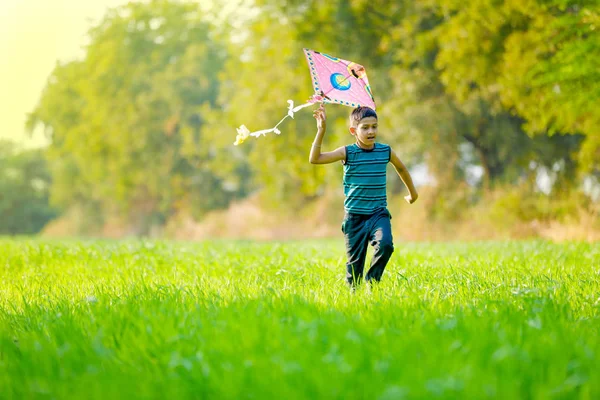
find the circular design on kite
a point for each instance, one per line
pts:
(339, 81)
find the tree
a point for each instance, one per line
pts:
(534, 58)
(126, 120)
(24, 187)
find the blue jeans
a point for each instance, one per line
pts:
(360, 230)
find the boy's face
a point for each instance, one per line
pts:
(365, 131)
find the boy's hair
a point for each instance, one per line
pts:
(361, 112)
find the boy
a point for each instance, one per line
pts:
(367, 219)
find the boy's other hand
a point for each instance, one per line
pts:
(409, 199)
(320, 116)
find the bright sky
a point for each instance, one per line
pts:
(34, 35)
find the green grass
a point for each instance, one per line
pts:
(236, 320)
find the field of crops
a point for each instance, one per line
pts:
(236, 320)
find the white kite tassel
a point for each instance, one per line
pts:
(242, 134)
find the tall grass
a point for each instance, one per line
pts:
(139, 319)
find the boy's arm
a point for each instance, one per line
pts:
(316, 157)
(405, 176)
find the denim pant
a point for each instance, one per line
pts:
(360, 230)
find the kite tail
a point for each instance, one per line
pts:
(244, 133)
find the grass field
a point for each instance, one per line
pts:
(236, 320)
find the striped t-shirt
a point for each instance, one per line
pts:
(365, 178)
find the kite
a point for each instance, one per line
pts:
(334, 80)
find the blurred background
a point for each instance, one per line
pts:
(118, 118)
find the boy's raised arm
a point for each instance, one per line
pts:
(316, 157)
(405, 176)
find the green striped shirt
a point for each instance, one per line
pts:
(365, 178)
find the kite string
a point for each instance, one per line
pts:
(244, 133)
(293, 110)
(289, 114)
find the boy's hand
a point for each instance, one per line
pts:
(410, 199)
(320, 116)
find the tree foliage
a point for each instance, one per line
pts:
(126, 120)
(24, 191)
(143, 126)
(535, 58)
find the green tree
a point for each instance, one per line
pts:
(125, 121)
(535, 58)
(24, 191)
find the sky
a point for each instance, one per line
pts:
(34, 35)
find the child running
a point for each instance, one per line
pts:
(367, 219)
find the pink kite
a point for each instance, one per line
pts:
(334, 81)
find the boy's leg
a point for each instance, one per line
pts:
(382, 242)
(356, 235)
